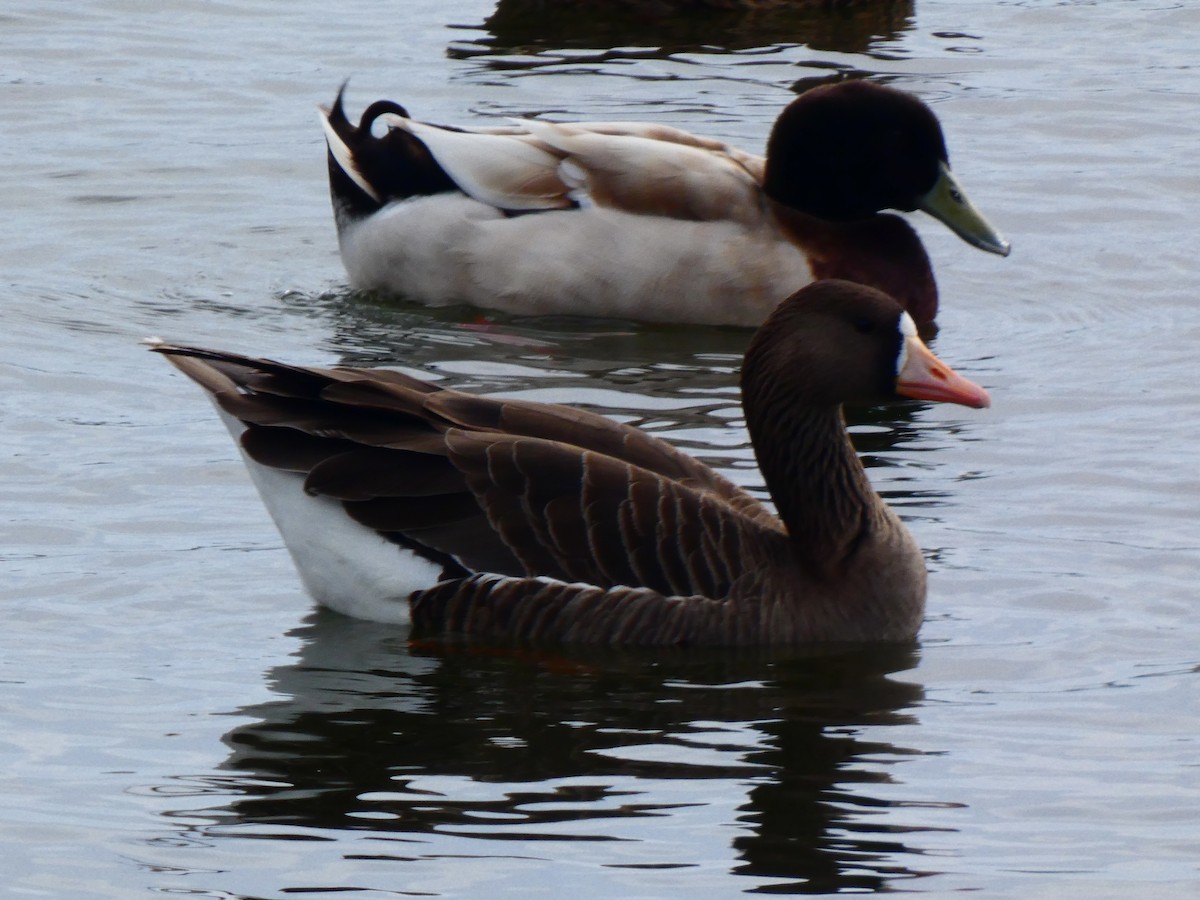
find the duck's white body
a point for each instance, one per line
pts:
(618, 219)
(450, 249)
(641, 220)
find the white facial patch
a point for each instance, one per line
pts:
(908, 329)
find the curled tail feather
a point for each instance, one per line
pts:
(366, 171)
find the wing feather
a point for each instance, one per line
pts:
(591, 431)
(504, 171)
(654, 176)
(496, 485)
(570, 515)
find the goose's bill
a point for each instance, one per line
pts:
(923, 376)
(948, 203)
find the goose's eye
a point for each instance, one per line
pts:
(864, 326)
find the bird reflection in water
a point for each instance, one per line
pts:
(849, 26)
(416, 744)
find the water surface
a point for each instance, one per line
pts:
(176, 717)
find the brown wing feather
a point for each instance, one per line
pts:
(289, 449)
(646, 174)
(438, 408)
(593, 518)
(591, 431)
(363, 473)
(498, 485)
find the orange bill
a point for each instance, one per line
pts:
(923, 376)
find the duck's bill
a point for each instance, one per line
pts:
(948, 203)
(923, 376)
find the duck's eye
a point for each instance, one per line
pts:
(956, 196)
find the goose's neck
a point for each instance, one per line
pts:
(817, 482)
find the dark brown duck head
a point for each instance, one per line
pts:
(839, 156)
(843, 152)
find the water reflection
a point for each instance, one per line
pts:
(536, 27)
(408, 743)
(373, 329)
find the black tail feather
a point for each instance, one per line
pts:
(395, 164)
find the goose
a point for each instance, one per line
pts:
(644, 221)
(511, 521)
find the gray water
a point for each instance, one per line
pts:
(175, 718)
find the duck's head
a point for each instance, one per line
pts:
(846, 151)
(836, 342)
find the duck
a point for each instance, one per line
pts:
(645, 221)
(512, 521)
